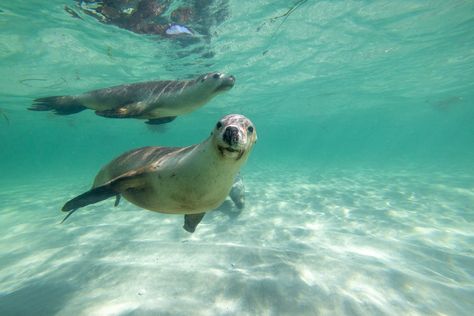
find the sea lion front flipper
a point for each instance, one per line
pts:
(117, 200)
(90, 197)
(191, 221)
(237, 192)
(161, 120)
(129, 180)
(131, 110)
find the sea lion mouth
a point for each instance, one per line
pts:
(226, 84)
(231, 151)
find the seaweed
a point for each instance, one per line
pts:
(72, 12)
(283, 16)
(5, 117)
(290, 11)
(28, 82)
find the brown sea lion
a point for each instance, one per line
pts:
(176, 180)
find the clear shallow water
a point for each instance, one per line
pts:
(359, 191)
(352, 242)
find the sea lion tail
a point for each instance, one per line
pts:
(90, 197)
(60, 105)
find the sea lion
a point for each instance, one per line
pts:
(158, 101)
(176, 180)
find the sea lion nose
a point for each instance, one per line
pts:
(231, 135)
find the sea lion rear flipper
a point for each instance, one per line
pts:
(161, 120)
(114, 187)
(191, 221)
(60, 105)
(237, 192)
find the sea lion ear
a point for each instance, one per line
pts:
(202, 78)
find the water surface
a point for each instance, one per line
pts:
(360, 190)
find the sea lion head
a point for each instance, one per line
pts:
(216, 82)
(234, 136)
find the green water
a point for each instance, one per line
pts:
(360, 190)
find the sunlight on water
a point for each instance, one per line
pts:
(346, 244)
(359, 192)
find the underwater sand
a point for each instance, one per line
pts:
(360, 190)
(343, 242)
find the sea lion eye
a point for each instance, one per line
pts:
(218, 125)
(216, 75)
(250, 129)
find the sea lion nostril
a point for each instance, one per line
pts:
(231, 135)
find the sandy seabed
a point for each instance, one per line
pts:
(345, 243)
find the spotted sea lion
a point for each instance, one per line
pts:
(157, 101)
(176, 180)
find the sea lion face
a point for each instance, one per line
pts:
(216, 82)
(234, 136)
